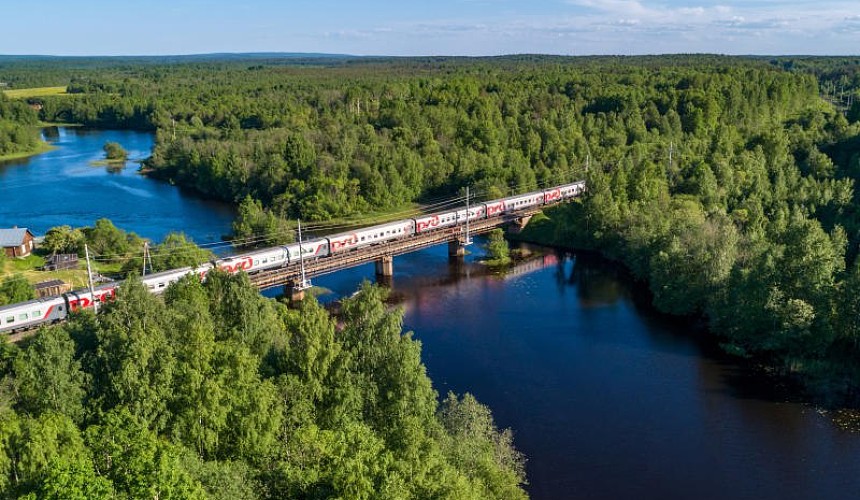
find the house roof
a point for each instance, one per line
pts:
(13, 237)
(48, 284)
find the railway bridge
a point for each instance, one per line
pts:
(292, 265)
(292, 277)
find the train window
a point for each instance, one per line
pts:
(10, 319)
(37, 313)
(22, 317)
(362, 238)
(161, 285)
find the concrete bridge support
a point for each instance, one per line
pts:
(518, 225)
(456, 249)
(385, 266)
(294, 292)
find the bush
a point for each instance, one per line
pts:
(114, 151)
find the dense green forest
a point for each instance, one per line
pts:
(217, 392)
(18, 133)
(727, 184)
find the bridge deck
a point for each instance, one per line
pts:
(325, 265)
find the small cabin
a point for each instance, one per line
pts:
(16, 242)
(60, 261)
(51, 288)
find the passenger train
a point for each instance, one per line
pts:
(27, 315)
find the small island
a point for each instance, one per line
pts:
(115, 156)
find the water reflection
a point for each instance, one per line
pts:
(608, 398)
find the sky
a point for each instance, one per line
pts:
(432, 27)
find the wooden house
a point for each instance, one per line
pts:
(16, 242)
(51, 288)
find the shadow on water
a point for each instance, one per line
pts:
(601, 282)
(607, 397)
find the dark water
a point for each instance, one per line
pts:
(606, 398)
(62, 187)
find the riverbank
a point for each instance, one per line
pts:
(43, 147)
(828, 379)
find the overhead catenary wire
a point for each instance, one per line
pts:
(273, 236)
(439, 204)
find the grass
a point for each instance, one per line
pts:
(58, 124)
(43, 147)
(35, 92)
(30, 268)
(108, 163)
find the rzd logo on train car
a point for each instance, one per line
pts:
(84, 302)
(495, 209)
(243, 265)
(427, 224)
(349, 241)
(553, 195)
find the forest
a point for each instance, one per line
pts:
(217, 392)
(17, 127)
(727, 184)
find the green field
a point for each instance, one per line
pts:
(34, 92)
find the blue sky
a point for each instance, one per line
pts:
(435, 27)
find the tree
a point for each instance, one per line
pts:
(16, 288)
(484, 452)
(134, 360)
(138, 463)
(48, 378)
(498, 252)
(109, 241)
(63, 239)
(176, 251)
(114, 151)
(255, 226)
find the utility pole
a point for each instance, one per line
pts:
(173, 121)
(305, 283)
(149, 257)
(145, 253)
(90, 276)
(587, 161)
(468, 240)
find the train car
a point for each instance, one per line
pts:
(343, 242)
(494, 208)
(30, 314)
(313, 249)
(563, 192)
(157, 283)
(520, 202)
(436, 221)
(253, 261)
(82, 299)
(571, 190)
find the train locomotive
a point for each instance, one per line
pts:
(27, 315)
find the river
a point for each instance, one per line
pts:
(63, 187)
(606, 398)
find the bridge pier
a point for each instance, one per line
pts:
(456, 249)
(519, 224)
(385, 266)
(294, 292)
